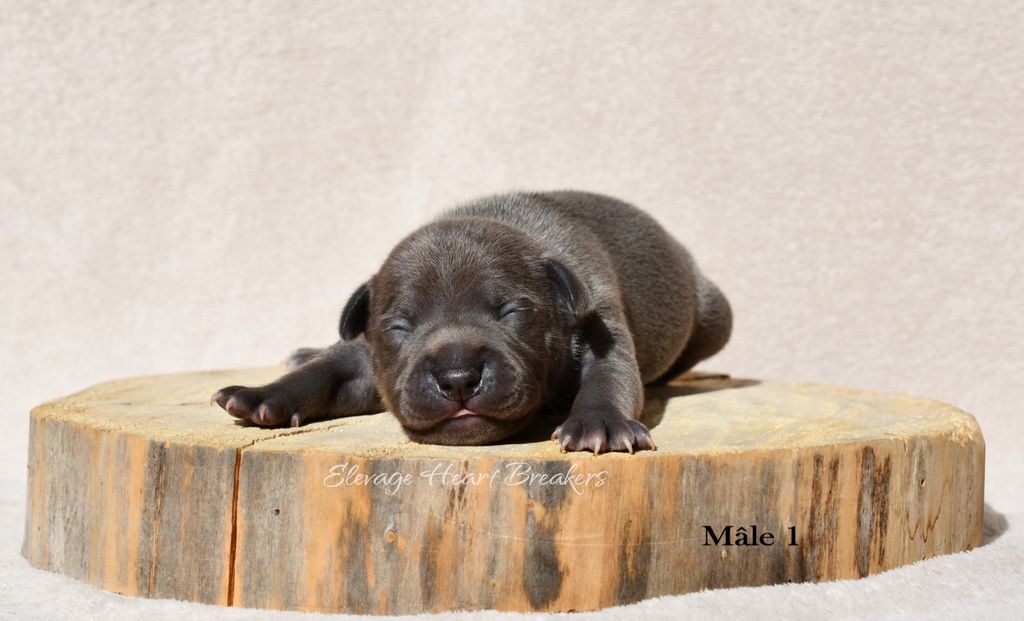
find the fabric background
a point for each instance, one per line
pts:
(195, 185)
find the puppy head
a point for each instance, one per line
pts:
(469, 329)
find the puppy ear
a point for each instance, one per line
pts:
(356, 313)
(570, 290)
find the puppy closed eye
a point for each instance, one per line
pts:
(512, 308)
(398, 326)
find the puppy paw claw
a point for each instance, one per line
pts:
(601, 432)
(221, 396)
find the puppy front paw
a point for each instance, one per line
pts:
(600, 432)
(266, 406)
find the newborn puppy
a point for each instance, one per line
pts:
(503, 306)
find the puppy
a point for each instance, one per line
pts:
(501, 307)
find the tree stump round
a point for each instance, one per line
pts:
(141, 487)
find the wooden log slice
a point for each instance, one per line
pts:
(141, 487)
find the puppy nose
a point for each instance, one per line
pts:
(458, 383)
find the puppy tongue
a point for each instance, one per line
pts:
(463, 412)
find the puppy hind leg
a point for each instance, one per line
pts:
(711, 330)
(301, 356)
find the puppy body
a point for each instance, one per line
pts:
(633, 271)
(500, 306)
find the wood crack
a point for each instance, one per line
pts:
(233, 546)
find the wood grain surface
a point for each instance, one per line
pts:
(141, 487)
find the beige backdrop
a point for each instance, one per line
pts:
(190, 185)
